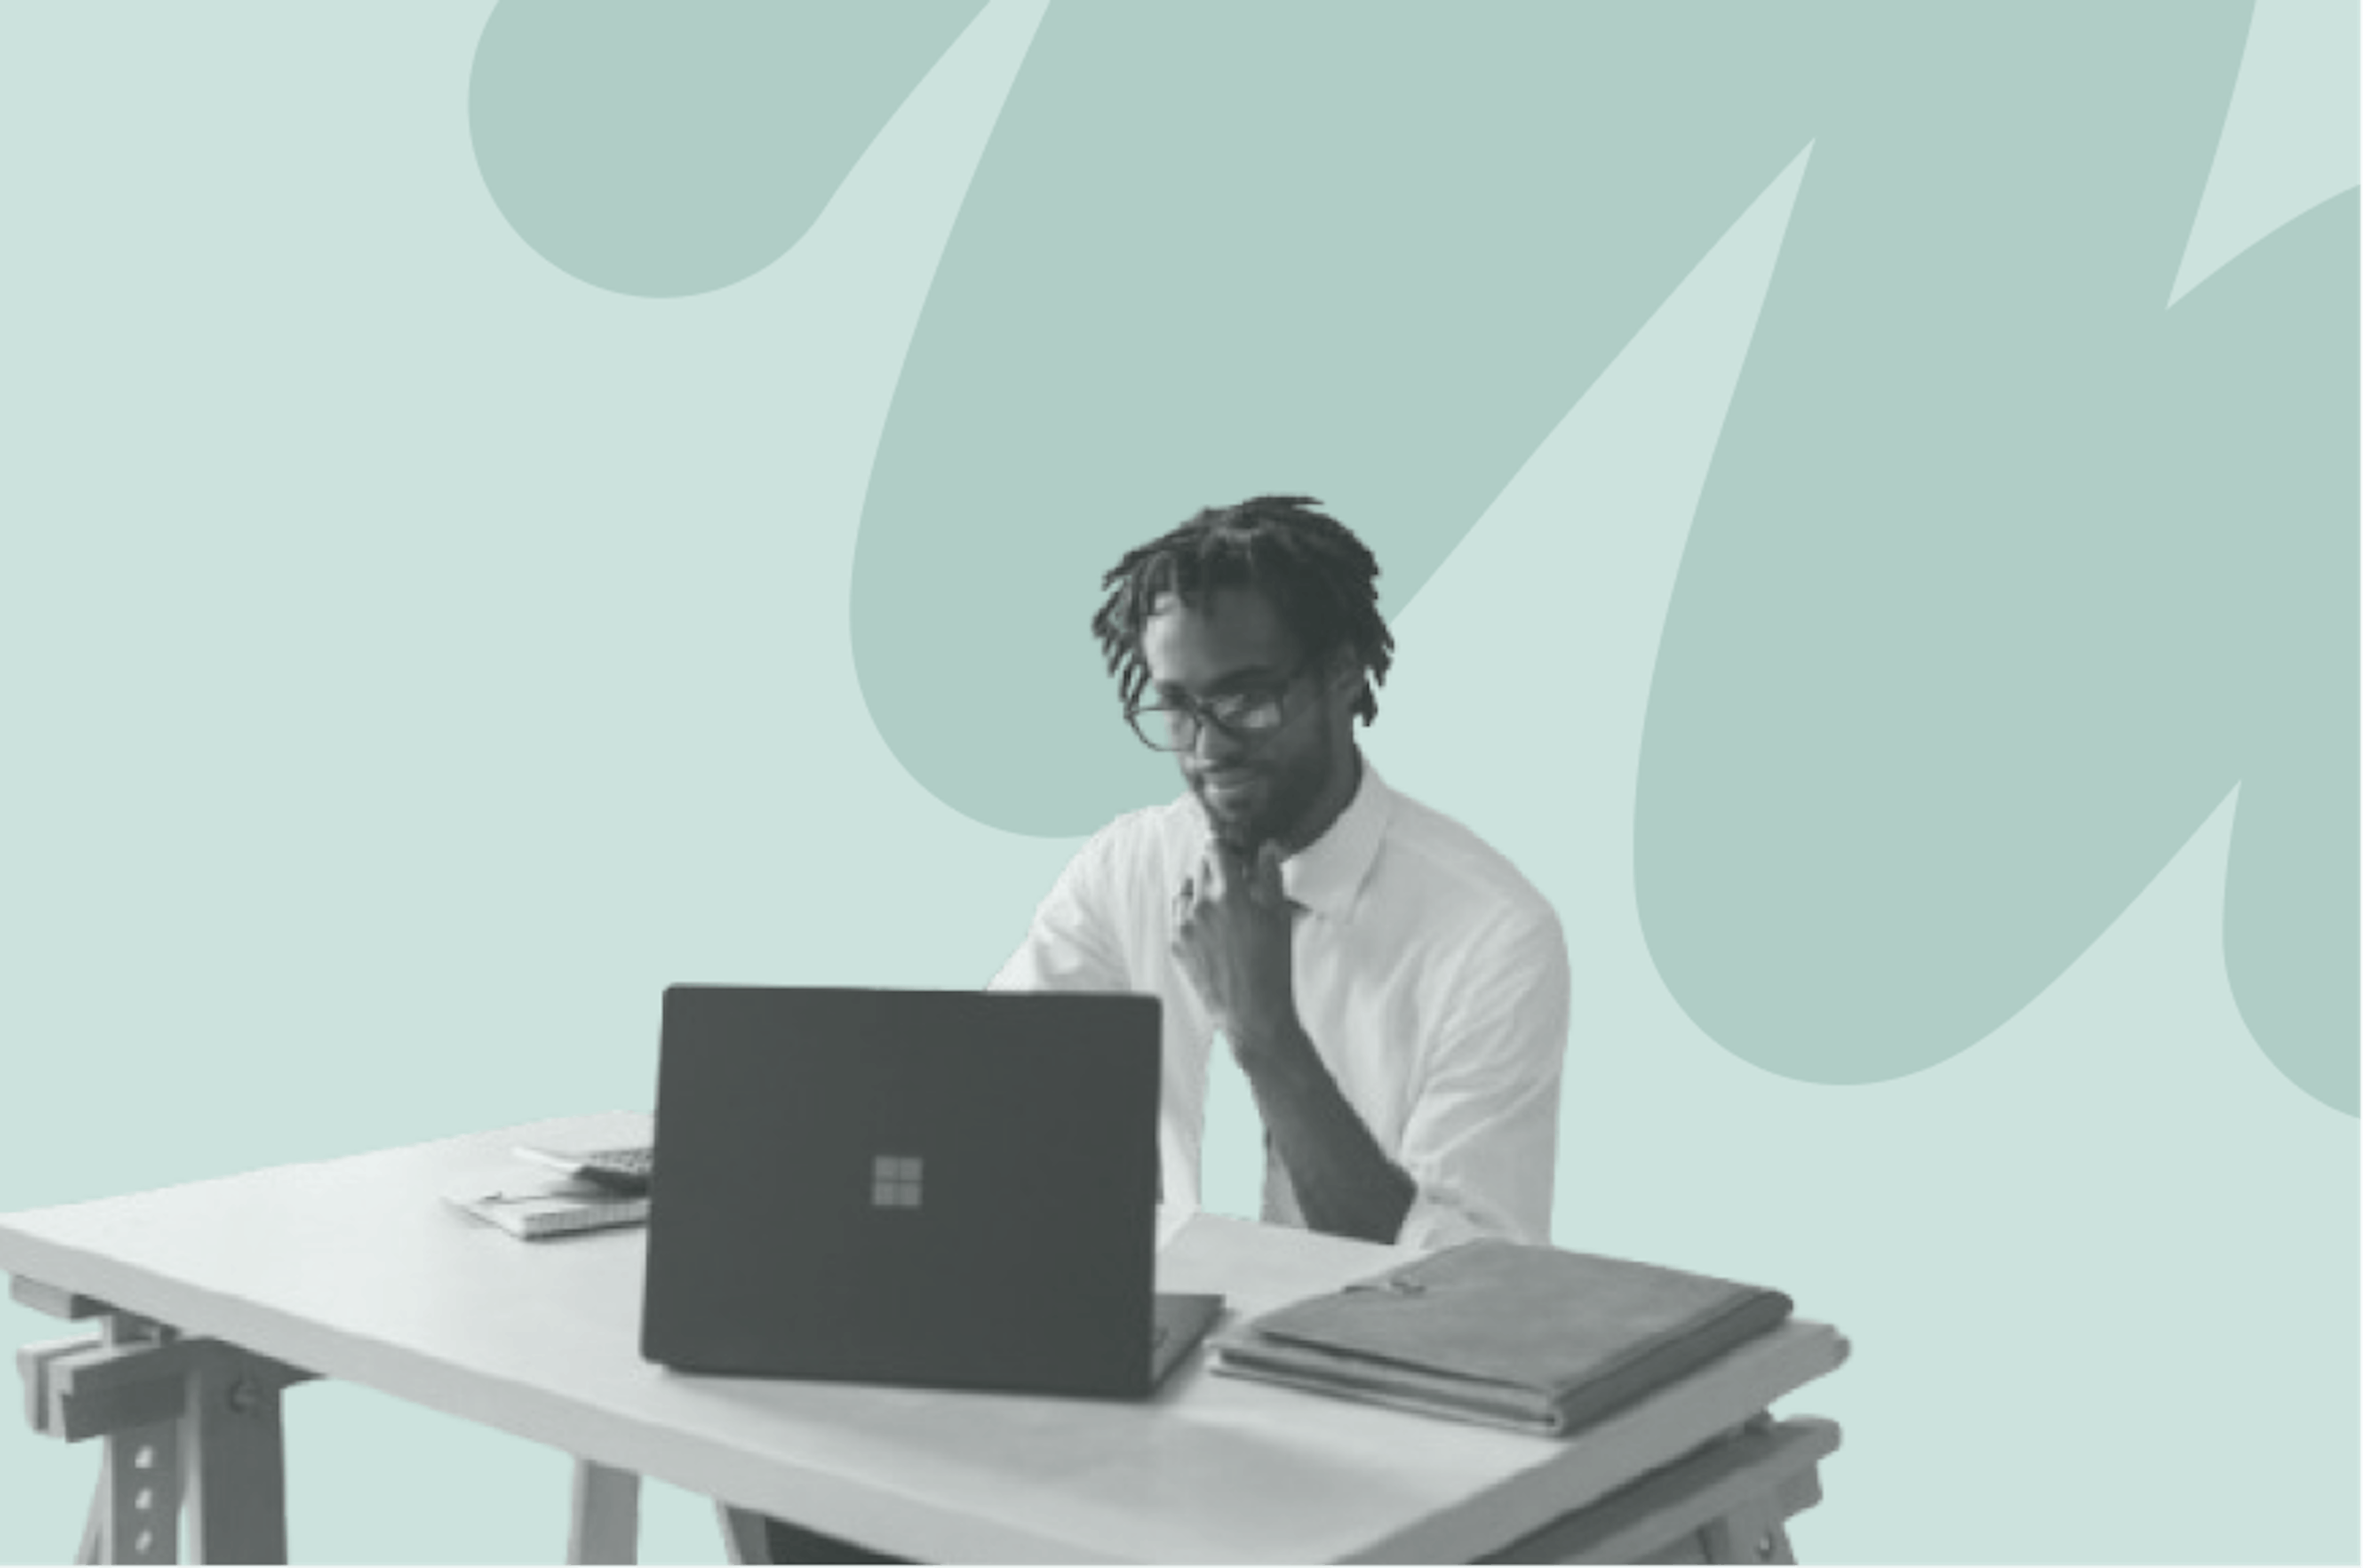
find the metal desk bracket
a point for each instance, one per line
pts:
(1728, 1501)
(192, 1421)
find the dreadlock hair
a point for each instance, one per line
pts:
(1321, 579)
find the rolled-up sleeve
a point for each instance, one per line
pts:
(1481, 1140)
(1073, 943)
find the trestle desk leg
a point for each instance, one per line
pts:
(185, 1420)
(237, 1462)
(1748, 1533)
(127, 1387)
(744, 1535)
(605, 1523)
(94, 1529)
(1723, 1503)
(139, 1512)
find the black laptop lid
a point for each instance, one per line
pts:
(950, 1188)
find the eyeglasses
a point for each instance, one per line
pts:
(1174, 725)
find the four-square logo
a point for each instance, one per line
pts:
(895, 1181)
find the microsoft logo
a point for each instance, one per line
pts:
(895, 1181)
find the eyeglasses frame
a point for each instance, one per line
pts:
(1201, 717)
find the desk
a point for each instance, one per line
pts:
(219, 1294)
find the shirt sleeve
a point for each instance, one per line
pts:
(1482, 1142)
(1075, 942)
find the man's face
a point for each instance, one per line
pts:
(1265, 786)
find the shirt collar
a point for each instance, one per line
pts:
(1327, 874)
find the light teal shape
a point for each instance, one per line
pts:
(1976, 1228)
(1381, 286)
(2292, 930)
(2290, 136)
(1957, 732)
(2004, 575)
(1964, 645)
(672, 149)
(1585, 540)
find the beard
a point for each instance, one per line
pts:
(1273, 801)
(1241, 829)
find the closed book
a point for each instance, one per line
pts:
(1533, 1338)
(532, 1204)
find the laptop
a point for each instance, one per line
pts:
(950, 1189)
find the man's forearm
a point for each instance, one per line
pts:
(1345, 1184)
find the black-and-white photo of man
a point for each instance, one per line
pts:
(1394, 992)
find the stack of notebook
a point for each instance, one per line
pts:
(531, 1203)
(1533, 1338)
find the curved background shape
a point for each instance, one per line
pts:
(1959, 657)
(672, 149)
(1958, 660)
(1367, 253)
(2289, 139)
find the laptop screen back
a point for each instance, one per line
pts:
(942, 1188)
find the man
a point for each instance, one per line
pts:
(1394, 992)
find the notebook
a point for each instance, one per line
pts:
(940, 1188)
(531, 1203)
(1495, 1331)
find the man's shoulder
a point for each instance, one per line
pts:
(1444, 861)
(1174, 821)
(1142, 839)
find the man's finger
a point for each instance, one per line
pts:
(1266, 873)
(1185, 961)
(1211, 880)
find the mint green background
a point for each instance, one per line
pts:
(416, 658)
(668, 151)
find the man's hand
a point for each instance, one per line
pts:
(1232, 935)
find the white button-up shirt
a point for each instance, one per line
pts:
(1431, 977)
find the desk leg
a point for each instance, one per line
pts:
(94, 1529)
(136, 1515)
(745, 1537)
(128, 1387)
(238, 1466)
(185, 1420)
(1749, 1533)
(1725, 1503)
(605, 1525)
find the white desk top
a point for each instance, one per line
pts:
(357, 1269)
